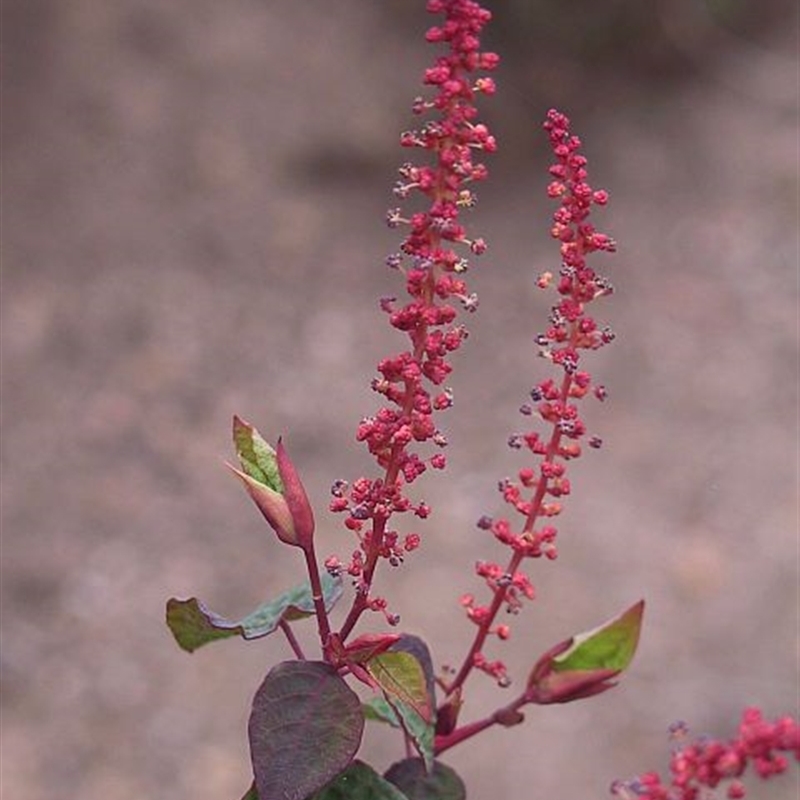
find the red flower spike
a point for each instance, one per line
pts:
(433, 258)
(570, 334)
(712, 764)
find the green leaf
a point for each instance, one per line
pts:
(400, 676)
(193, 624)
(609, 646)
(379, 710)
(256, 456)
(359, 782)
(417, 783)
(304, 729)
(409, 643)
(402, 680)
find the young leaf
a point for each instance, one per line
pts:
(409, 643)
(585, 664)
(305, 727)
(400, 676)
(359, 782)
(367, 646)
(378, 710)
(272, 505)
(609, 646)
(258, 459)
(402, 680)
(193, 625)
(417, 783)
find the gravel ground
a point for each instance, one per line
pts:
(192, 227)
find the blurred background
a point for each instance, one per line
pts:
(193, 201)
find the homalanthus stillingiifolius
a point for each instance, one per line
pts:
(306, 723)
(433, 259)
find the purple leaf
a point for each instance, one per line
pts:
(305, 728)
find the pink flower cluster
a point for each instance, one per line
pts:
(536, 494)
(707, 763)
(433, 259)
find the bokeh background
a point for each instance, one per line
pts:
(193, 200)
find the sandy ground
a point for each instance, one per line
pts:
(192, 226)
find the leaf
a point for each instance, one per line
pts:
(609, 646)
(359, 782)
(300, 600)
(411, 777)
(413, 644)
(367, 646)
(402, 680)
(447, 713)
(193, 624)
(272, 505)
(586, 664)
(379, 710)
(305, 727)
(400, 676)
(257, 457)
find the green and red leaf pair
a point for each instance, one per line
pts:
(271, 480)
(585, 664)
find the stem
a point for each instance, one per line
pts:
(292, 639)
(507, 716)
(316, 592)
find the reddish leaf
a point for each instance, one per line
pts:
(305, 727)
(365, 647)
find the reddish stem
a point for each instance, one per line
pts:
(316, 593)
(508, 715)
